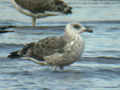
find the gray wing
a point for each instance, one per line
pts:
(42, 48)
(38, 6)
(48, 46)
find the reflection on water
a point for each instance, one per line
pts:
(99, 67)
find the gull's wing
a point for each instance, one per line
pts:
(42, 48)
(48, 46)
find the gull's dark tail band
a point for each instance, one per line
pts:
(22, 52)
(14, 55)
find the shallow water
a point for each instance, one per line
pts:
(97, 70)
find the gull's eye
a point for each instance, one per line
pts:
(76, 26)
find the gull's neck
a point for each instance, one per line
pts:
(70, 34)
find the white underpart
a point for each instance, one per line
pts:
(75, 46)
(28, 13)
(72, 43)
(77, 41)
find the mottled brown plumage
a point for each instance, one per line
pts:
(41, 8)
(56, 51)
(44, 47)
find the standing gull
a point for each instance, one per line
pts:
(57, 51)
(41, 8)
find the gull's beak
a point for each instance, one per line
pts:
(87, 29)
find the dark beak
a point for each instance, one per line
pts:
(88, 29)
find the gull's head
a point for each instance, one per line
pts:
(78, 28)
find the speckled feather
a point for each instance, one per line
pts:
(44, 47)
(40, 6)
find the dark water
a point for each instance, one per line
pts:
(99, 69)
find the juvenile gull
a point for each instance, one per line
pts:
(41, 8)
(56, 51)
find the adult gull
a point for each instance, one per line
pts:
(56, 51)
(41, 8)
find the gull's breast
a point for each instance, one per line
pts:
(78, 46)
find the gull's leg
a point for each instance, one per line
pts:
(33, 21)
(49, 67)
(54, 68)
(61, 68)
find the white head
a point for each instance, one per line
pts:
(73, 30)
(77, 28)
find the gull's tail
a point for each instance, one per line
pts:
(22, 52)
(14, 54)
